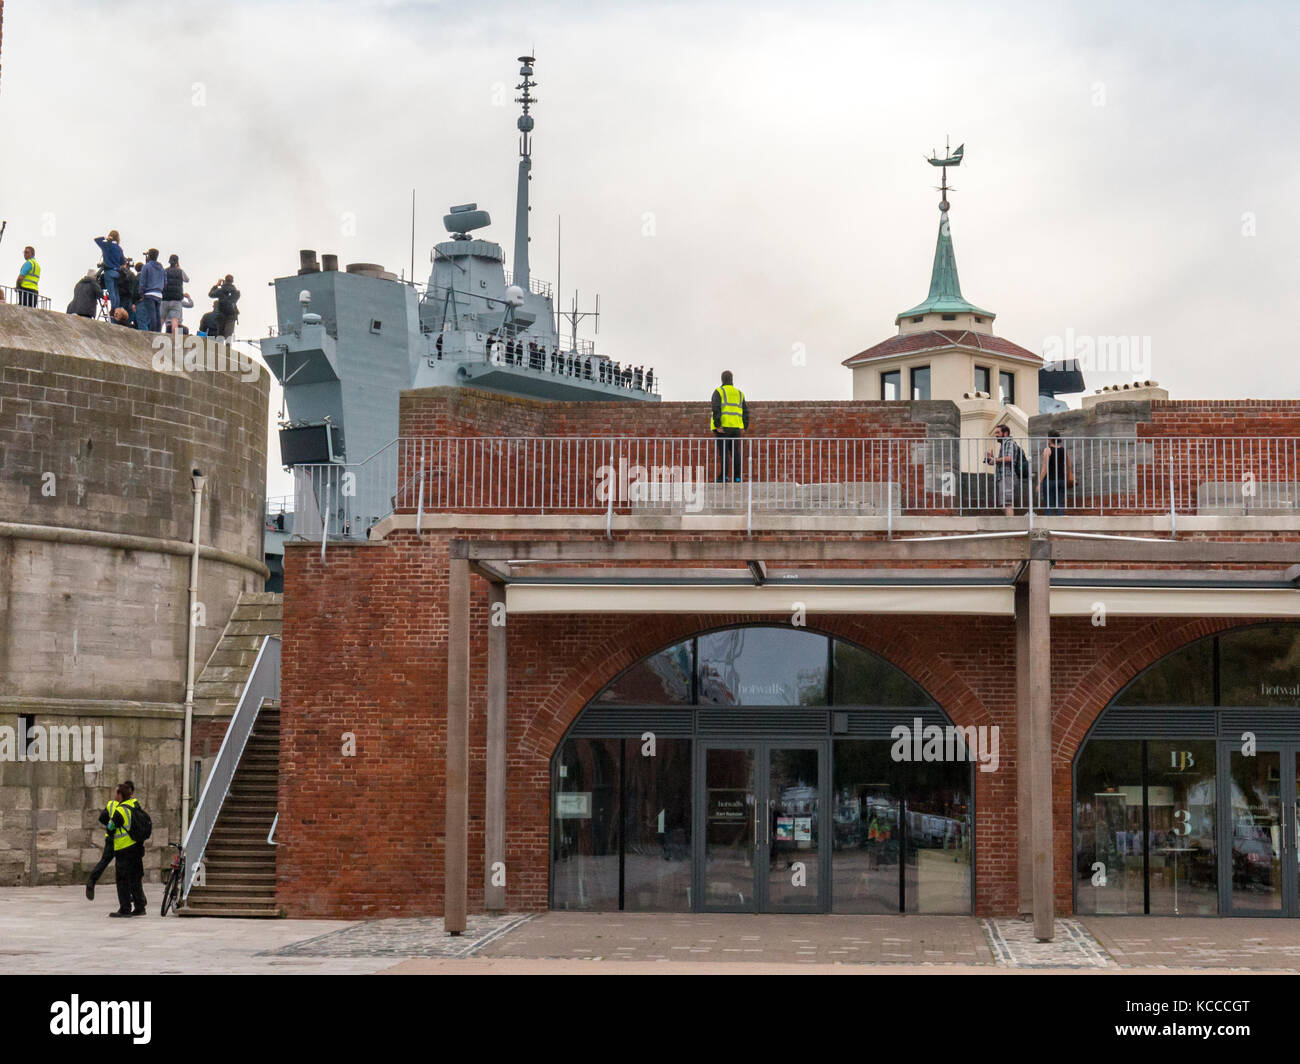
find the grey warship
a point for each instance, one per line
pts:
(348, 341)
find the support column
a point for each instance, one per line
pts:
(456, 843)
(494, 870)
(1024, 834)
(1040, 730)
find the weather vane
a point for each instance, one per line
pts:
(950, 158)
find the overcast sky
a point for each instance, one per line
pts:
(735, 179)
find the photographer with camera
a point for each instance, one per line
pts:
(227, 297)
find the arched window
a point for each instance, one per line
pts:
(1186, 782)
(707, 730)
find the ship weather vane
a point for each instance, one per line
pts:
(950, 158)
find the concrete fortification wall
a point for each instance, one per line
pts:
(97, 448)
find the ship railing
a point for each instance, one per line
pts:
(583, 363)
(538, 288)
(1105, 476)
(342, 499)
(12, 295)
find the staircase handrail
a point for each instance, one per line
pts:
(263, 685)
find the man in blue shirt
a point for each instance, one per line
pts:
(111, 250)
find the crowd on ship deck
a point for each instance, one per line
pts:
(515, 351)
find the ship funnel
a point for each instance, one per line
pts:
(329, 263)
(307, 262)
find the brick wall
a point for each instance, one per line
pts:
(365, 654)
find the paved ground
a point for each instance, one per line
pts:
(55, 930)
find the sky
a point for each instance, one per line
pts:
(743, 184)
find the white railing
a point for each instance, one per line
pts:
(914, 476)
(263, 684)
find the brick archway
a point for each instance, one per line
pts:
(641, 636)
(1122, 662)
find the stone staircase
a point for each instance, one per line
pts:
(239, 865)
(219, 685)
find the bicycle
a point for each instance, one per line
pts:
(172, 891)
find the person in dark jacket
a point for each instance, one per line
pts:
(173, 294)
(152, 278)
(111, 249)
(109, 812)
(210, 323)
(128, 289)
(227, 297)
(86, 294)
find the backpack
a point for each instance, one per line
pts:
(1022, 463)
(141, 825)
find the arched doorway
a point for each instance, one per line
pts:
(763, 768)
(1185, 788)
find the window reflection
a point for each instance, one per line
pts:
(763, 667)
(1260, 666)
(663, 679)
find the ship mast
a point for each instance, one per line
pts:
(525, 124)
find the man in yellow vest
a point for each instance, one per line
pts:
(29, 279)
(128, 853)
(730, 417)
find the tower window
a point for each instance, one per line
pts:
(1006, 387)
(920, 382)
(979, 320)
(918, 320)
(891, 384)
(950, 317)
(982, 380)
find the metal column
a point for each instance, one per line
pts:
(494, 857)
(456, 849)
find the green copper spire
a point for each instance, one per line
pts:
(945, 289)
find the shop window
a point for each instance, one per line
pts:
(1108, 828)
(1183, 678)
(1260, 666)
(662, 679)
(763, 667)
(862, 678)
(585, 811)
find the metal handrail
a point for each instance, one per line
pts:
(11, 296)
(263, 685)
(886, 476)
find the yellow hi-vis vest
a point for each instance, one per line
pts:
(121, 836)
(733, 408)
(31, 279)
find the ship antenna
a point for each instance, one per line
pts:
(525, 124)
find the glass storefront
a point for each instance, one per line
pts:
(1185, 794)
(702, 777)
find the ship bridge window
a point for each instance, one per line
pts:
(375, 325)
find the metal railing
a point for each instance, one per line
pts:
(538, 288)
(11, 296)
(1220, 476)
(263, 684)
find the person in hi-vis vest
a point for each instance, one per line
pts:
(730, 416)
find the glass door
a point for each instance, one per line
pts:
(791, 846)
(760, 844)
(1261, 849)
(727, 880)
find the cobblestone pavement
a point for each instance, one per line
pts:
(413, 937)
(1014, 945)
(770, 939)
(1191, 942)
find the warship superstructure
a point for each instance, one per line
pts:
(348, 341)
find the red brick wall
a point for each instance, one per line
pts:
(365, 653)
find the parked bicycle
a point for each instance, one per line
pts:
(172, 892)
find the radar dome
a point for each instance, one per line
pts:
(515, 296)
